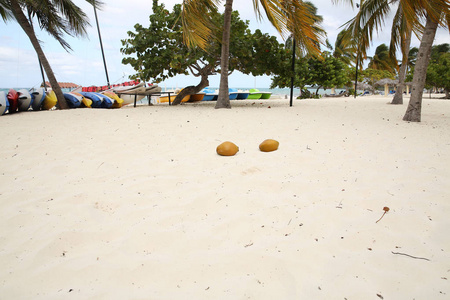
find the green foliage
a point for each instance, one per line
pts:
(158, 52)
(438, 73)
(382, 60)
(373, 75)
(326, 72)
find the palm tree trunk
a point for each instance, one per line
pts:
(413, 112)
(223, 100)
(27, 28)
(398, 97)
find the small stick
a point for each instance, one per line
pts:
(386, 209)
(399, 253)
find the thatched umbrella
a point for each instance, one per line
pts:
(386, 82)
(363, 86)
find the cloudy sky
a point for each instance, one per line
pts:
(84, 65)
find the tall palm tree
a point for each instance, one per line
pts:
(435, 12)
(54, 16)
(288, 17)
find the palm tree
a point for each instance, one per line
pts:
(435, 12)
(54, 16)
(288, 17)
(382, 59)
(345, 48)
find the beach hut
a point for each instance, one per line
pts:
(386, 82)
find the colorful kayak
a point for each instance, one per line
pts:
(96, 100)
(254, 94)
(38, 96)
(13, 98)
(117, 100)
(50, 100)
(106, 101)
(25, 100)
(73, 101)
(85, 102)
(4, 103)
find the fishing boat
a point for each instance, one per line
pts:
(254, 94)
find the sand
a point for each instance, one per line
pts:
(134, 203)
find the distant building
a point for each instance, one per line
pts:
(63, 85)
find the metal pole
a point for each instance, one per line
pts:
(101, 46)
(356, 78)
(293, 72)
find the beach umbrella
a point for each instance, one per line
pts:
(363, 86)
(386, 82)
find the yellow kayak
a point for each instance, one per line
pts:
(49, 100)
(165, 99)
(118, 102)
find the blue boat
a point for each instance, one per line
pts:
(210, 95)
(72, 100)
(242, 95)
(233, 93)
(106, 101)
(96, 100)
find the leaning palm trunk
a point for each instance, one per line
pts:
(398, 97)
(223, 101)
(413, 112)
(23, 21)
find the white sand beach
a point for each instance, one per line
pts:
(134, 203)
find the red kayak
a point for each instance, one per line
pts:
(13, 98)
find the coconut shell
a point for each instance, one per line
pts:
(269, 145)
(227, 149)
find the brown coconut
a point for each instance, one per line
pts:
(227, 149)
(269, 145)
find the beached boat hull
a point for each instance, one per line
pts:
(4, 103)
(50, 101)
(25, 100)
(266, 95)
(38, 96)
(96, 100)
(13, 98)
(197, 97)
(165, 99)
(242, 96)
(254, 94)
(73, 101)
(106, 101)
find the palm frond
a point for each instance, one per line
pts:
(5, 11)
(196, 21)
